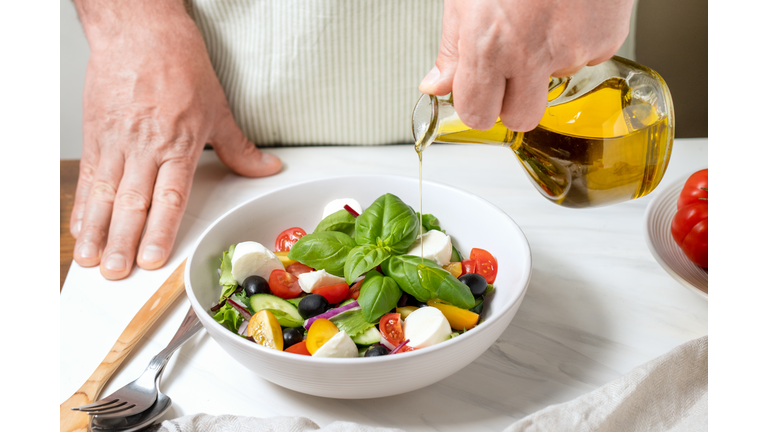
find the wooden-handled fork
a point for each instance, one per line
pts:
(70, 420)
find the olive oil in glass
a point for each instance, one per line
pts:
(605, 137)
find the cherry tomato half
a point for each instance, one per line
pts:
(467, 266)
(284, 284)
(354, 291)
(286, 239)
(391, 328)
(299, 348)
(298, 268)
(333, 293)
(485, 264)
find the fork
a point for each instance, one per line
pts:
(140, 394)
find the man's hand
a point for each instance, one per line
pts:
(497, 56)
(151, 102)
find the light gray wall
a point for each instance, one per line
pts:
(74, 58)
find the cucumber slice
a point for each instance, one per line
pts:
(455, 255)
(368, 337)
(286, 313)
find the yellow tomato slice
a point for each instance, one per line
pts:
(319, 333)
(458, 318)
(283, 257)
(453, 268)
(265, 330)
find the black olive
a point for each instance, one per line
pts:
(376, 351)
(476, 283)
(292, 336)
(313, 305)
(256, 285)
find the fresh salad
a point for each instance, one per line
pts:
(357, 286)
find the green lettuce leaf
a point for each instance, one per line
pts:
(226, 280)
(352, 322)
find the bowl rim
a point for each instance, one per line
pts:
(207, 320)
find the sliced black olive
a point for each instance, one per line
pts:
(476, 283)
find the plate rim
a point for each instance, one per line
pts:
(674, 187)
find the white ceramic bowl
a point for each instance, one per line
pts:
(471, 222)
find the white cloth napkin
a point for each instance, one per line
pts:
(668, 394)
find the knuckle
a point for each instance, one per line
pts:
(171, 198)
(133, 201)
(104, 192)
(87, 173)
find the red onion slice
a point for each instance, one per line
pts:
(351, 210)
(332, 313)
(386, 343)
(399, 347)
(243, 312)
(243, 328)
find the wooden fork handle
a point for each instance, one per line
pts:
(149, 313)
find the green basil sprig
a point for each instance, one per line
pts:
(378, 295)
(326, 250)
(388, 222)
(425, 280)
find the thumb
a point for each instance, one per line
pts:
(238, 153)
(439, 80)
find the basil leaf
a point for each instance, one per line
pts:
(341, 221)
(378, 295)
(424, 280)
(429, 222)
(325, 250)
(388, 222)
(363, 258)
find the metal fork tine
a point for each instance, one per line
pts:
(121, 411)
(120, 406)
(96, 405)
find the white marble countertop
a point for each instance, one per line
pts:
(598, 303)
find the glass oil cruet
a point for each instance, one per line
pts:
(605, 137)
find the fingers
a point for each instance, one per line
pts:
(439, 80)
(169, 199)
(234, 149)
(88, 164)
(525, 100)
(97, 212)
(129, 213)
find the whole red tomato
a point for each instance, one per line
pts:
(690, 223)
(694, 188)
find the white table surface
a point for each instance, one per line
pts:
(598, 303)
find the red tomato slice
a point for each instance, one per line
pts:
(286, 239)
(354, 292)
(284, 284)
(333, 293)
(391, 328)
(299, 348)
(298, 268)
(485, 264)
(467, 266)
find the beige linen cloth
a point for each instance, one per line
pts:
(669, 393)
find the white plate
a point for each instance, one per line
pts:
(658, 219)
